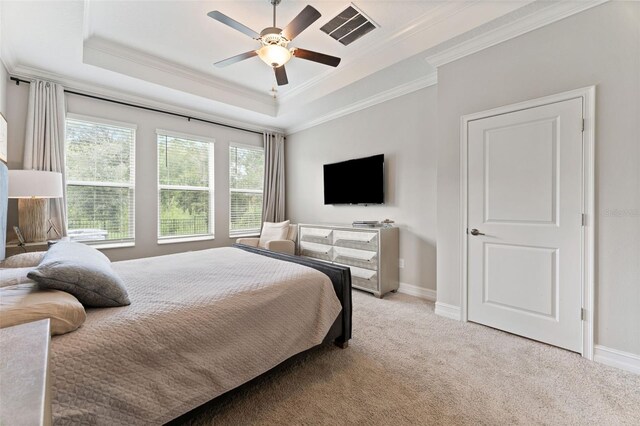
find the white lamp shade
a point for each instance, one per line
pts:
(34, 184)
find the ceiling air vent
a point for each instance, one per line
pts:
(349, 25)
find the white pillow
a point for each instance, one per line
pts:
(273, 231)
(23, 260)
(24, 303)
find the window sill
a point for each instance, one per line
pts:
(102, 246)
(186, 239)
(252, 234)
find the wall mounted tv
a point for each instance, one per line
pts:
(359, 181)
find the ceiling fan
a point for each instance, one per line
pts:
(274, 42)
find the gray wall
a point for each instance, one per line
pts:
(146, 166)
(598, 47)
(4, 76)
(404, 129)
(3, 111)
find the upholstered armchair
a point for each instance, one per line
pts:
(278, 237)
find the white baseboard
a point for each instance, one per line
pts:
(448, 311)
(615, 358)
(414, 290)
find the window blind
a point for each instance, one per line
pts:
(246, 177)
(100, 180)
(185, 186)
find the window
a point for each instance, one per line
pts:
(100, 179)
(246, 175)
(185, 186)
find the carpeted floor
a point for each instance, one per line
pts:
(407, 366)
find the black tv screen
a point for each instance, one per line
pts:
(359, 181)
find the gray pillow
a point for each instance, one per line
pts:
(83, 272)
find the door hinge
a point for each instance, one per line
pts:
(582, 314)
(584, 219)
(583, 125)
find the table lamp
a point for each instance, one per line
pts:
(33, 188)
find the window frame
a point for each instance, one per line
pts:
(210, 235)
(115, 243)
(245, 232)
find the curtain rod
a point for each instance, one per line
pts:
(189, 118)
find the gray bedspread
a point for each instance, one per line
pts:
(199, 324)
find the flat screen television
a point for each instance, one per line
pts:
(359, 181)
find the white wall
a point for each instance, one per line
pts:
(146, 166)
(404, 130)
(600, 47)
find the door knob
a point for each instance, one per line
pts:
(476, 232)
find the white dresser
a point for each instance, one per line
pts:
(370, 253)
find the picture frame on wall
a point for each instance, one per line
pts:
(3, 138)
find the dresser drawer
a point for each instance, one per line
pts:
(315, 250)
(354, 257)
(361, 240)
(364, 278)
(316, 235)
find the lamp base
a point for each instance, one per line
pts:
(32, 218)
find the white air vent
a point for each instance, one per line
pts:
(349, 25)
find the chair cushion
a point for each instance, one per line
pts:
(24, 303)
(82, 271)
(273, 231)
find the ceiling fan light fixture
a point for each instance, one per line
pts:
(274, 55)
(274, 51)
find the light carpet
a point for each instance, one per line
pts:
(407, 366)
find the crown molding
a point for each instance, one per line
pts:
(554, 12)
(27, 73)
(124, 60)
(403, 89)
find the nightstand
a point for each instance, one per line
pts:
(13, 248)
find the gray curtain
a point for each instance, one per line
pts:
(44, 140)
(274, 189)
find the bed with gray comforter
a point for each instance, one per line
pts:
(199, 324)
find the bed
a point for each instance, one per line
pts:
(199, 325)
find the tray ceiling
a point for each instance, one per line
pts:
(164, 50)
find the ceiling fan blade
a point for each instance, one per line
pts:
(308, 16)
(237, 58)
(221, 17)
(316, 57)
(281, 75)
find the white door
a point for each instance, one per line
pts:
(525, 219)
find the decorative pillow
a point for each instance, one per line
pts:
(14, 276)
(273, 231)
(25, 303)
(82, 271)
(23, 260)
